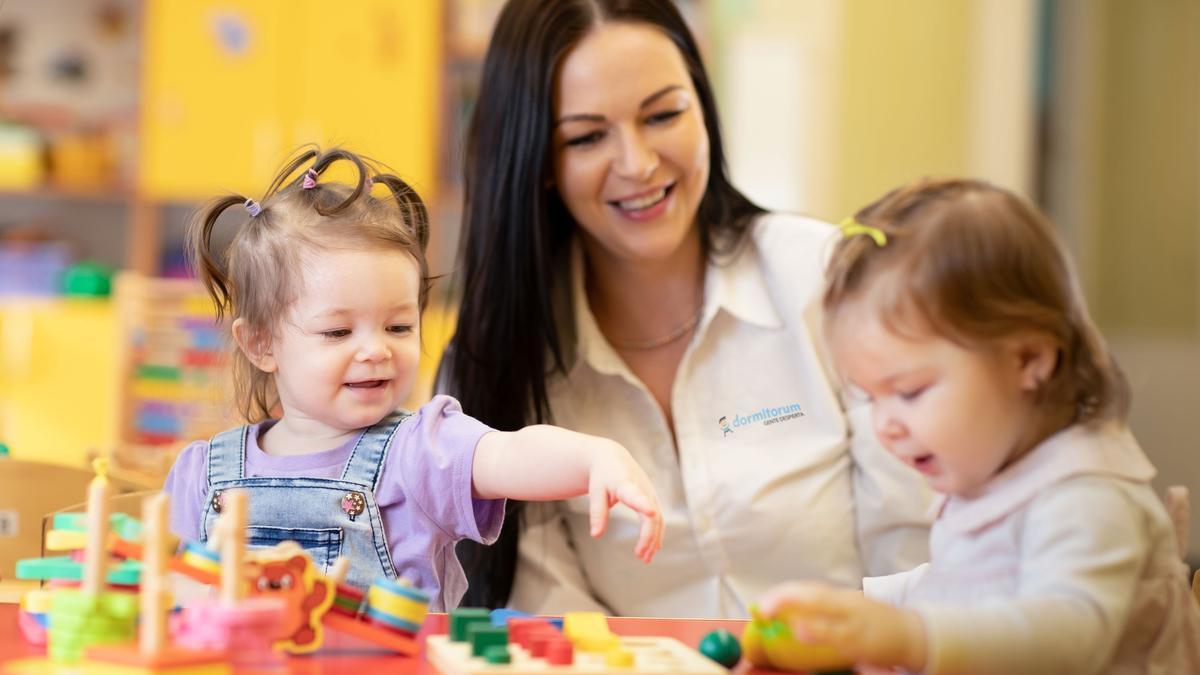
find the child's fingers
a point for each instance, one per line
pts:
(650, 539)
(629, 494)
(811, 629)
(799, 596)
(598, 511)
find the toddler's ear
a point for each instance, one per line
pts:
(255, 345)
(1037, 358)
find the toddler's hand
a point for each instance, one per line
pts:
(867, 630)
(615, 477)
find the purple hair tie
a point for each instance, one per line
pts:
(252, 208)
(310, 180)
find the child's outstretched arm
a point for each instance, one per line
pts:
(543, 463)
(867, 630)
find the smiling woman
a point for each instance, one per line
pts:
(639, 296)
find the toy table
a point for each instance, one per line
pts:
(342, 653)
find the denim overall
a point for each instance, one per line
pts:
(327, 517)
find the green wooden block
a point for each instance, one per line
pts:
(461, 618)
(126, 572)
(485, 635)
(79, 620)
(123, 525)
(497, 655)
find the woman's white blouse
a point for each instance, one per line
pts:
(771, 477)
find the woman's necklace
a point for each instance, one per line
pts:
(675, 334)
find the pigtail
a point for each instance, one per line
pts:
(412, 208)
(323, 162)
(281, 179)
(209, 264)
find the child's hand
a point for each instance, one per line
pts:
(866, 630)
(615, 477)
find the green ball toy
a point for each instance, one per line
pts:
(721, 646)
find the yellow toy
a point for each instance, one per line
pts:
(769, 643)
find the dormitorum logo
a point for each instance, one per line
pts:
(725, 430)
(765, 416)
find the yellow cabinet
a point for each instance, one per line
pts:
(230, 88)
(58, 378)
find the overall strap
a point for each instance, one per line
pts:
(368, 454)
(227, 455)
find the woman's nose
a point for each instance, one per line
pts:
(637, 160)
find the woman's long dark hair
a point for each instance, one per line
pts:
(516, 231)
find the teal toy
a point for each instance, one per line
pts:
(721, 646)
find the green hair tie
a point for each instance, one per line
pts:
(851, 227)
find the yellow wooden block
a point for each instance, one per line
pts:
(37, 601)
(588, 631)
(65, 540)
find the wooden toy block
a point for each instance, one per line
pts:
(33, 627)
(121, 524)
(134, 551)
(481, 636)
(306, 596)
(460, 619)
(151, 652)
(383, 637)
(645, 655)
(79, 619)
(127, 572)
(245, 631)
(588, 631)
(246, 628)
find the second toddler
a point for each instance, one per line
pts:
(952, 306)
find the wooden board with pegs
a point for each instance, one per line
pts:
(650, 655)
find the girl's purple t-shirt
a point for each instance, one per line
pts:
(424, 492)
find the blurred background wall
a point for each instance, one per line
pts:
(116, 116)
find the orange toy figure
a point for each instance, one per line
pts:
(287, 574)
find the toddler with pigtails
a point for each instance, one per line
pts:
(324, 283)
(951, 305)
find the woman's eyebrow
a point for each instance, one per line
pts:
(592, 117)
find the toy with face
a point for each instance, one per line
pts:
(306, 595)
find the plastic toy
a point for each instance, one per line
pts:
(346, 614)
(769, 643)
(721, 646)
(533, 645)
(306, 596)
(90, 615)
(243, 627)
(152, 652)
